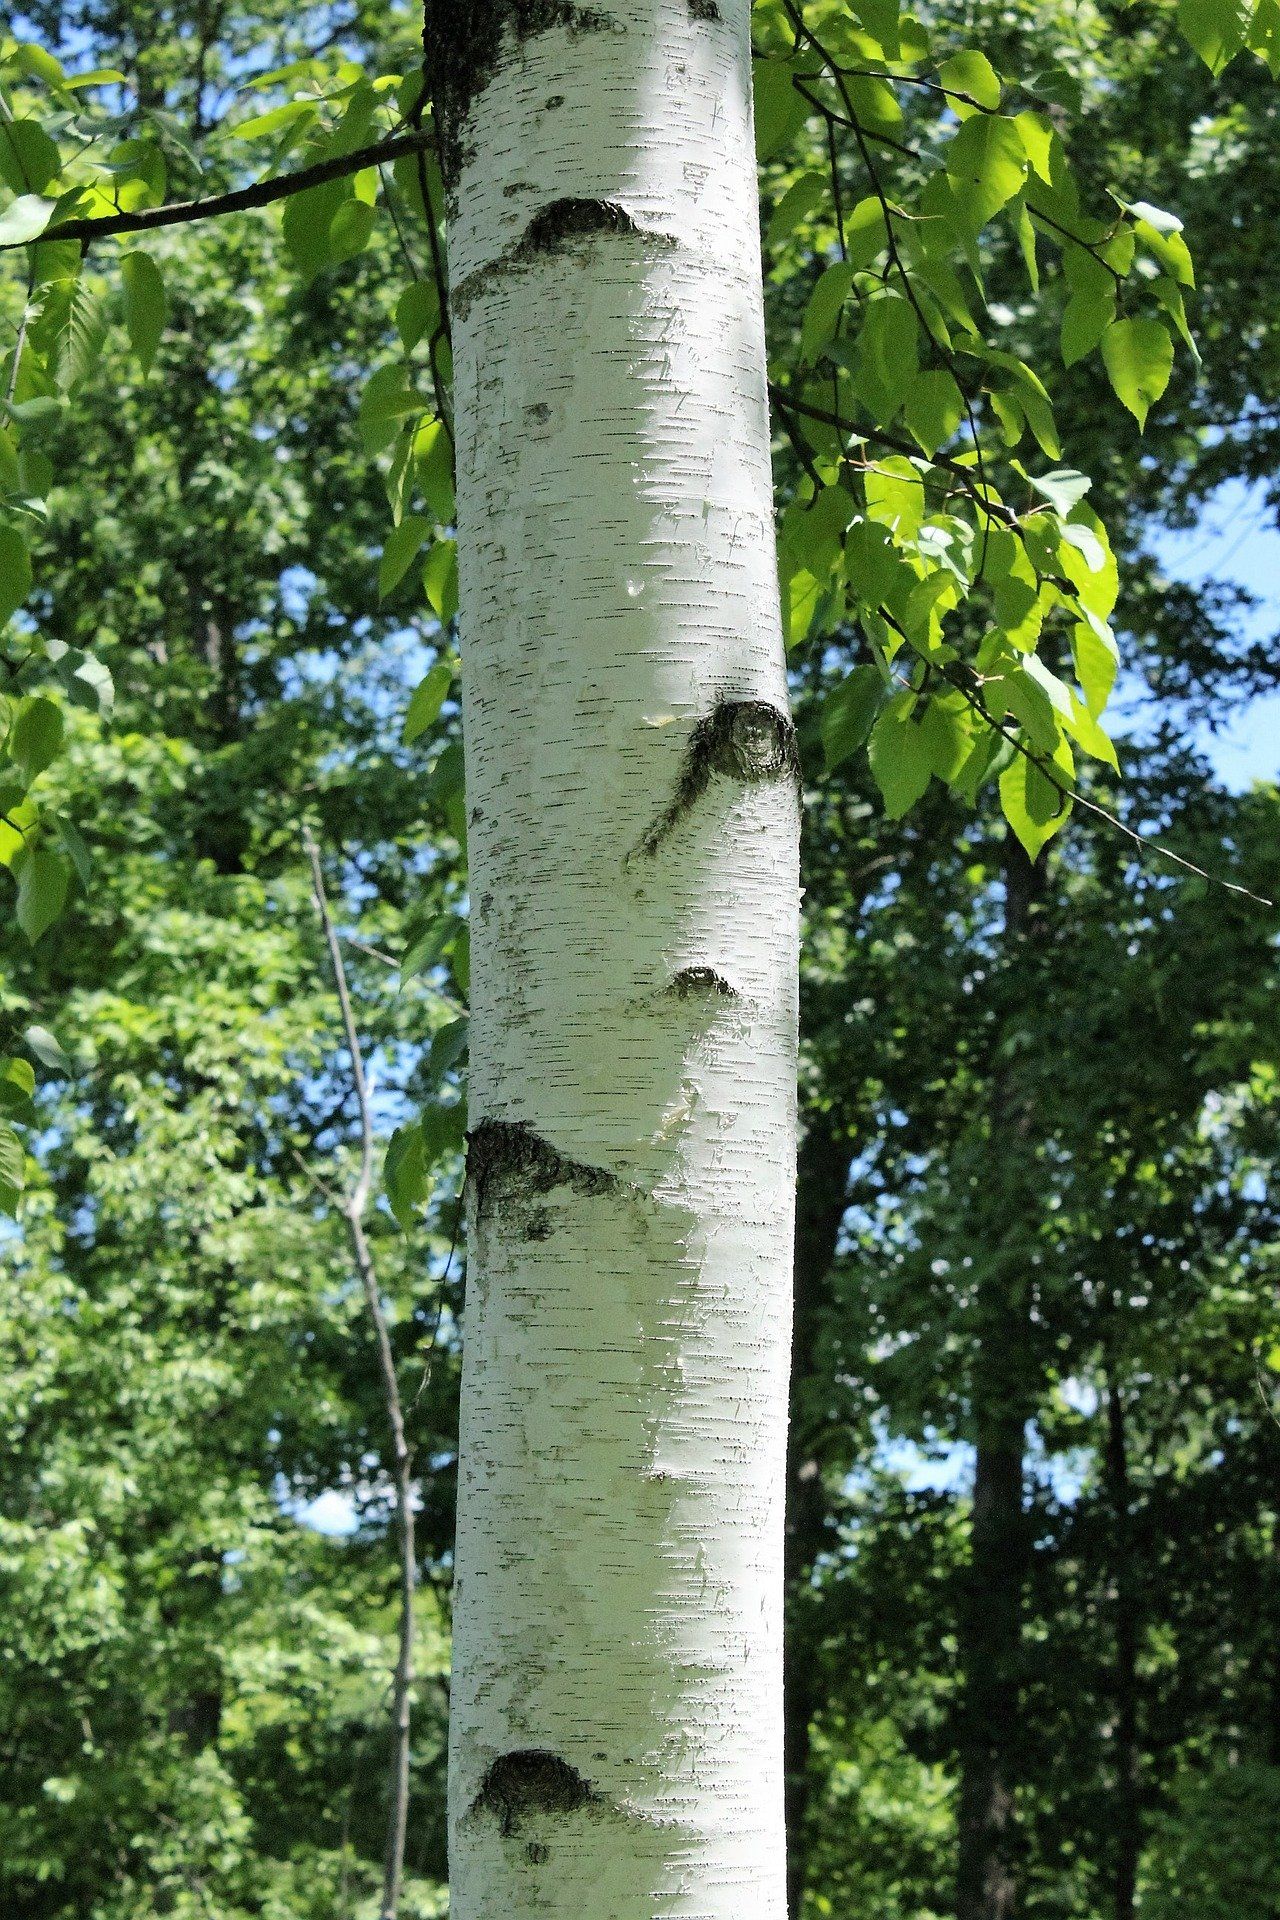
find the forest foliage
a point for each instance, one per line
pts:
(1021, 299)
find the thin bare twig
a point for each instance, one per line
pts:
(353, 1208)
(262, 193)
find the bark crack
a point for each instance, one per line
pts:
(705, 10)
(465, 51)
(745, 740)
(507, 1159)
(522, 1785)
(558, 223)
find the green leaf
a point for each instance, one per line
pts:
(403, 544)
(29, 159)
(1037, 139)
(429, 948)
(47, 1050)
(25, 220)
(440, 578)
(823, 311)
(42, 890)
(1138, 356)
(1059, 86)
(1084, 728)
(1032, 804)
(1264, 35)
(882, 20)
(780, 110)
(74, 842)
(96, 77)
(460, 961)
(1085, 319)
(387, 399)
(262, 125)
(799, 200)
(900, 755)
(1167, 246)
(82, 329)
(849, 713)
(145, 305)
(13, 1168)
(428, 698)
(1063, 489)
(350, 230)
(19, 1074)
(308, 218)
(1169, 294)
(417, 312)
(988, 163)
(433, 466)
(934, 409)
(947, 735)
(37, 735)
(888, 355)
(448, 1044)
(972, 73)
(895, 495)
(405, 1175)
(15, 572)
(1032, 399)
(1216, 28)
(802, 594)
(1096, 660)
(865, 233)
(39, 63)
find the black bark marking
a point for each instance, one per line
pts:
(745, 740)
(464, 51)
(521, 1785)
(705, 10)
(567, 219)
(508, 1159)
(557, 224)
(539, 1226)
(693, 983)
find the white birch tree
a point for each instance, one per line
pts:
(633, 836)
(632, 771)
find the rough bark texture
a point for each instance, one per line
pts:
(821, 1203)
(616, 1733)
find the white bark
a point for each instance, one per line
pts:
(616, 1744)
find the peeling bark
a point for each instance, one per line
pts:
(616, 1734)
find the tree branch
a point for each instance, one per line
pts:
(262, 193)
(353, 1209)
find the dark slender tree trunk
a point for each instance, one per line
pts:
(820, 1208)
(1273, 1692)
(1001, 1400)
(992, 1650)
(1127, 1630)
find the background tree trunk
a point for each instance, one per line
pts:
(991, 1639)
(991, 1603)
(822, 1199)
(1128, 1841)
(616, 1737)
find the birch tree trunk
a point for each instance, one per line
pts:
(616, 1735)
